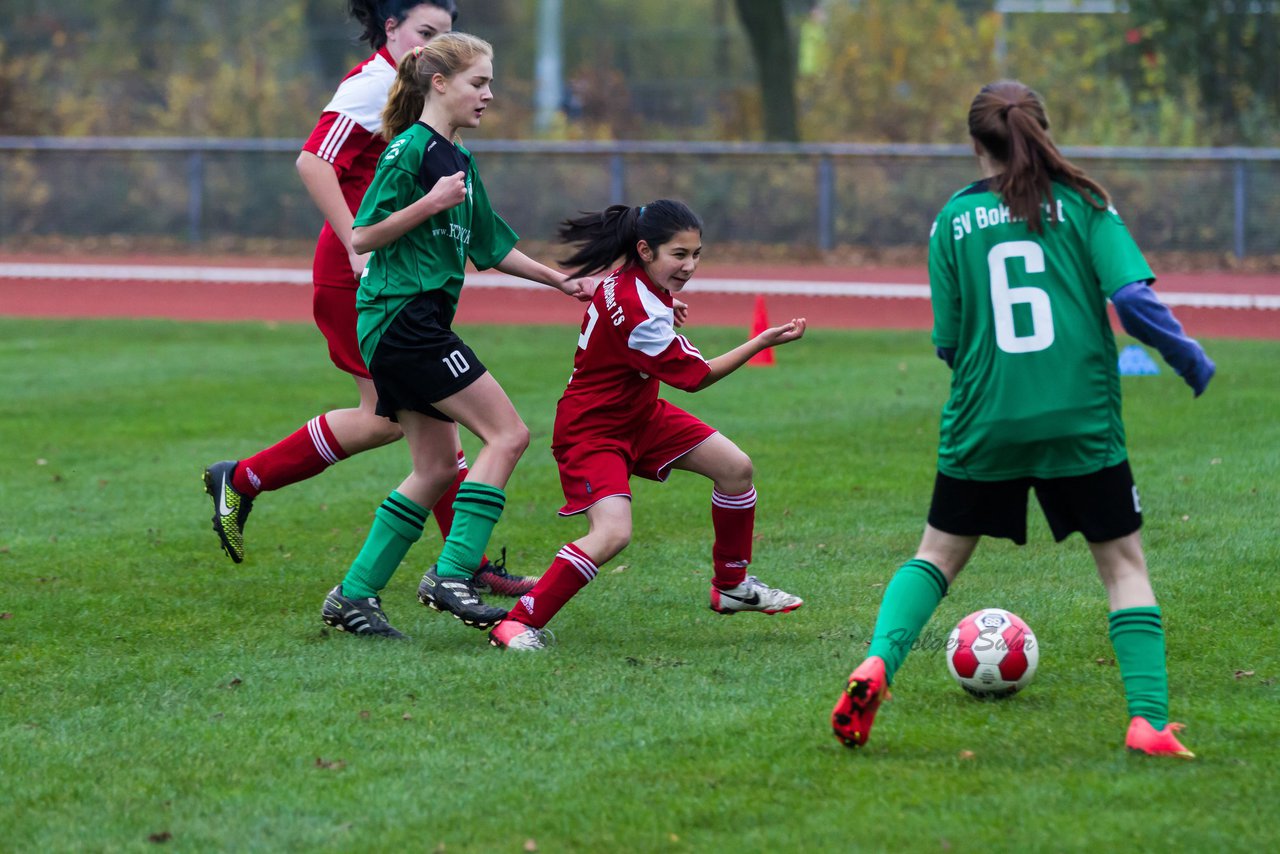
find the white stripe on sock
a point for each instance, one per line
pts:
(745, 501)
(321, 444)
(585, 568)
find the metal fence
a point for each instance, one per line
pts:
(819, 196)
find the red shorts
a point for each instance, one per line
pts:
(335, 313)
(596, 468)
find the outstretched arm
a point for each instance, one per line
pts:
(516, 263)
(1146, 318)
(722, 366)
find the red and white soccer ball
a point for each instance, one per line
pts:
(992, 653)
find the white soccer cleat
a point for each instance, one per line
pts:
(512, 634)
(752, 595)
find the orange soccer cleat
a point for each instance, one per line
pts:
(856, 709)
(1144, 737)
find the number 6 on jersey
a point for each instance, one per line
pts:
(1004, 298)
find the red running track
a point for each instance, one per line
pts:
(283, 302)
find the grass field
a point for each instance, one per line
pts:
(154, 694)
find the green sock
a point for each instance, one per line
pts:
(397, 525)
(909, 601)
(1137, 634)
(475, 511)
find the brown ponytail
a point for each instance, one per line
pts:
(1008, 120)
(447, 54)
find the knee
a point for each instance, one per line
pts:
(737, 475)
(437, 472)
(619, 538)
(384, 431)
(611, 540)
(511, 441)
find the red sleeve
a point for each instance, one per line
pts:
(339, 139)
(654, 348)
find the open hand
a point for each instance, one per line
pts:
(783, 334)
(681, 310)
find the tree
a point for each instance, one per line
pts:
(1228, 49)
(769, 32)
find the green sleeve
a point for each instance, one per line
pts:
(491, 237)
(943, 284)
(391, 190)
(1117, 260)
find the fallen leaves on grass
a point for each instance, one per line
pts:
(330, 764)
(655, 661)
(160, 838)
(1244, 674)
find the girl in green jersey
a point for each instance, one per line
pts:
(1021, 265)
(426, 214)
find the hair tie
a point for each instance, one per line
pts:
(642, 207)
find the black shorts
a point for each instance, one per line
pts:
(421, 361)
(1102, 506)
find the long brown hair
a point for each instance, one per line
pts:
(1008, 119)
(447, 54)
(602, 237)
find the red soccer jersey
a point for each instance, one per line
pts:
(348, 135)
(627, 346)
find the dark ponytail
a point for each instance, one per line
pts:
(605, 236)
(372, 15)
(1008, 119)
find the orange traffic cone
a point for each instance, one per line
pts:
(759, 323)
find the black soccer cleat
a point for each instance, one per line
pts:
(358, 616)
(493, 577)
(230, 508)
(458, 596)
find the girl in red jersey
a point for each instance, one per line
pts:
(336, 165)
(610, 423)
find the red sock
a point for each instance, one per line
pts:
(734, 519)
(443, 509)
(568, 573)
(307, 452)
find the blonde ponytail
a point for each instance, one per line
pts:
(447, 54)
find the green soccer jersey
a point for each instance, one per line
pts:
(433, 255)
(1035, 390)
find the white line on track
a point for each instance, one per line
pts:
(296, 276)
